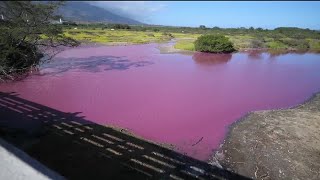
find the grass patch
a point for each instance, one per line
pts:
(185, 45)
(106, 36)
(276, 45)
(241, 41)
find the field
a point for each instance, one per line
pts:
(242, 39)
(117, 36)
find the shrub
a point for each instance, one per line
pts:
(25, 43)
(167, 34)
(119, 26)
(213, 44)
(296, 43)
(276, 45)
(256, 43)
(19, 59)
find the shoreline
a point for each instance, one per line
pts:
(168, 47)
(270, 144)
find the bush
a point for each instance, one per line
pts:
(25, 43)
(168, 35)
(296, 43)
(213, 44)
(256, 43)
(19, 59)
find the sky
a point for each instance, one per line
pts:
(269, 15)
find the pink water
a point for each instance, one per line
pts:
(171, 98)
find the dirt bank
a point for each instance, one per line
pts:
(276, 144)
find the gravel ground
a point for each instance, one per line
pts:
(276, 144)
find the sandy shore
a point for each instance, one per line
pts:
(275, 144)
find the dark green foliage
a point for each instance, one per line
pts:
(18, 59)
(69, 23)
(121, 26)
(27, 35)
(213, 44)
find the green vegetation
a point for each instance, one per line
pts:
(213, 44)
(242, 38)
(185, 45)
(119, 26)
(119, 35)
(26, 35)
(28, 32)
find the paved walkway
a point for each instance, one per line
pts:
(79, 149)
(15, 164)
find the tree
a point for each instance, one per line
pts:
(202, 27)
(27, 35)
(213, 44)
(120, 26)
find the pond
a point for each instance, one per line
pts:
(187, 100)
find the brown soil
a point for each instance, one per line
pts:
(276, 144)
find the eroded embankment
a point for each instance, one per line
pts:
(276, 144)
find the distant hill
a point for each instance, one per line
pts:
(84, 12)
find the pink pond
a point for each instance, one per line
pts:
(171, 98)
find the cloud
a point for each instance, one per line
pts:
(138, 10)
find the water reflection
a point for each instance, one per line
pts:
(209, 59)
(255, 55)
(272, 54)
(92, 64)
(275, 53)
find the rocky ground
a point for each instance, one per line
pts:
(276, 144)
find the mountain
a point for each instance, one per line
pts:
(84, 12)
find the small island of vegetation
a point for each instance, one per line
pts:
(214, 44)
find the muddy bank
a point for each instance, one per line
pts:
(275, 144)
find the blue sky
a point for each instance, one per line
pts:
(222, 14)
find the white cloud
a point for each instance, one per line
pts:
(139, 10)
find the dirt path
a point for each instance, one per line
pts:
(277, 144)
